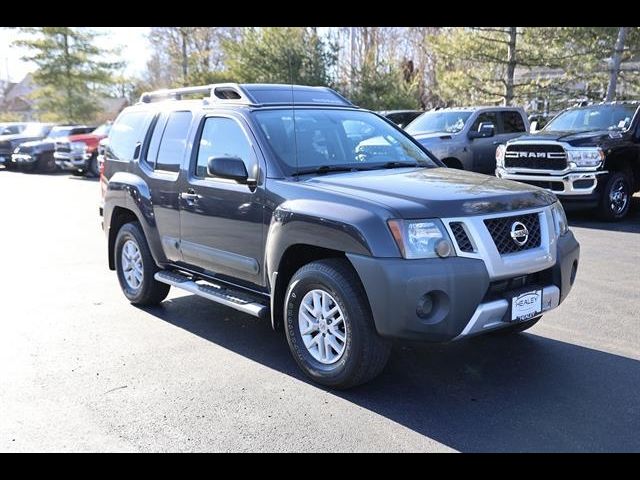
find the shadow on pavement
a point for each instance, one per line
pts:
(518, 393)
(588, 219)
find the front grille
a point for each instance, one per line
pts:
(63, 147)
(462, 239)
(549, 185)
(500, 230)
(498, 288)
(535, 156)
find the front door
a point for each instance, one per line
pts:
(484, 149)
(221, 221)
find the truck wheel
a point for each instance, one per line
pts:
(135, 267)
(616, 197)
(517, 327)
(330, 328)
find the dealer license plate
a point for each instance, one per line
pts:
(526, 305)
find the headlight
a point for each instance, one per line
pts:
(500, 155)
(78, 146)
(587, 157)
(421, 238)
(559, 219)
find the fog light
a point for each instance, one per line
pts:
(425, 306)
(443, 248)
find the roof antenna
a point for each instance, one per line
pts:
(293, 111)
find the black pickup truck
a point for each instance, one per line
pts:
(588, 156)
(290, 204)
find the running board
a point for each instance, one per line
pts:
(224, 296)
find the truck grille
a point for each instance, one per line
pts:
(500, 230)
(462, 239)
(63, 147)
(535, 156)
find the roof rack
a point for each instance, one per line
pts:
(215, 91)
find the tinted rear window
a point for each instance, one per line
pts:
(128, 130)
(512, 122)
(174, 142)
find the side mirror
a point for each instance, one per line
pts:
(232, 168)
(485, 129)
(534, 127)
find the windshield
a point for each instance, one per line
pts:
(597, 117)
(36, 130)
(58, 132)
(102, 130)
(336, 138)
(439, 121)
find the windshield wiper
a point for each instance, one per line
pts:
(394, 165)
(325, 169)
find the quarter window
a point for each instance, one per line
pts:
(126, 133)
(222, 137)
(174, 142)
(512, 122)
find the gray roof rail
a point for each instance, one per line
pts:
(214, 92)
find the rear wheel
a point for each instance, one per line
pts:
(516, 327)
(330, 328)
(135, 267)
(616, 197)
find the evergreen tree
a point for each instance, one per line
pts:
(71, 74)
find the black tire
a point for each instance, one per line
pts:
(365, 352)
(612, 211)
(94, 169)
(150, 291)
(77, 173)
(516, 327)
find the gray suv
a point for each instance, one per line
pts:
(467, 138)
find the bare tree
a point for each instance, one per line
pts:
(615, 64)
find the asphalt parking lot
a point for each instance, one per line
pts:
(83, 370)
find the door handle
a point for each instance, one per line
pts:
(190, 196)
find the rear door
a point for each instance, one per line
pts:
(222, 220)
(160, 160)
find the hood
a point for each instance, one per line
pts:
(435, 192)
(17, 138)
(576, 139)
(88, 138)
(40, 145)
(433, 136)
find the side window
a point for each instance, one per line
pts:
(512, 122)
(174, 142)
(222, 137)
(151, 154)
(491, 117)
(128, 130)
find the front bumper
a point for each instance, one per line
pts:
(463, 304)
(72, 161)
(565, 185)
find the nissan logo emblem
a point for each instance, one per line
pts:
(519, 233)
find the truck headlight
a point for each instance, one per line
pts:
(500, 151)
(559, 219)
(586, 157)
(79, 147)
(421, 238)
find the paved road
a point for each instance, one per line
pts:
(82, 370)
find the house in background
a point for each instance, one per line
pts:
(17, 102)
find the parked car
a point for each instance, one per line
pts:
(466, 138)
(37, 155)
(537, 121)
(8, 143)
(345, 242)
(402, 118)
(12, 128)
(79, 153)
(588, 156)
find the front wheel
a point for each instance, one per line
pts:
(135, 267)
(330, 328)
(616, 197)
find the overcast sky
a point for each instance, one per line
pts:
(135, 50)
